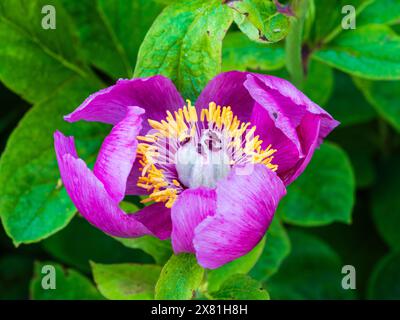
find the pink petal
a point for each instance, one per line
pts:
(191, 207)
(118, 153)
(245, 207)
(155, 94)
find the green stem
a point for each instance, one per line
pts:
(294, 59)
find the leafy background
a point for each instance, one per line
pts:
(344, 210)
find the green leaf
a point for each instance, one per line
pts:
(179, 279)
(318, 84)
(160, 250)
(70, 285)
(80, 242)
(347, 105)
(37, 62)
(239, 53)
(324, 193)
(112, 31)
(276, 249)
(240, 287)
(380, 12)
(239, 266)
(259, 20)
(369, 52)
(126, 281)
(360, 143)
(384, 283)
(185, 44)
(312, 271)
(386, 202)
(329, 18)
(33, 203)
(384, 97)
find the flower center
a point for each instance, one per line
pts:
(189, 150)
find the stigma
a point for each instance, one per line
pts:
(191, 149)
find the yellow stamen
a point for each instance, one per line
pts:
(182, 125)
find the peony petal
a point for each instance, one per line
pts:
(191, 208)
(118, 153)
(131, 184)
(280, 114)
(157, 218)
(155, 94)
(309, 133)
(89, 195)
(245, 207)
(227, 89)
(287, 153)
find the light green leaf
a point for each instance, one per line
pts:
(240, 53)
(179, 279)
(160, 250)
(312, 271)
(324, 193)
(36, 62)
(386, 202)
(185, 44)
(80, 242)
(384, 97)
(347, 105)
(384, 283)
(240, 287)
(259, 20)
(126, 281)
(33, 203)
(276, 249)
(369, 52)
(70, 285)
(239, 266)
(380, 12)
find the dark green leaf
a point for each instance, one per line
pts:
(239, 266)
(384, 97)
(386, 202)
(323, 193)
(347, 105)
(318, 83)
(312, 271)
(33, 204)
(126, 281)
(70, 285)
(80, 242)
(329, 16)
(179, 279)
(36, 62)
(185, 44)
(385, 280)
(360, 143)
(276, 249)
(369, 52)
(240, 53)
(240, 287)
